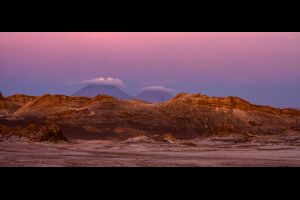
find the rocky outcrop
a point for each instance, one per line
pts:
(2, 103)
(33, 132)
(53, 100)
(99, 99)
(50, 104)
(3, 107)
(20, 98)
(226, 102)
(11, 104)
(212, 115)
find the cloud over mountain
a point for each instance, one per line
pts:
(104, 81)
(158, 88)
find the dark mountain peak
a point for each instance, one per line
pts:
(96, 90)
(154, 96)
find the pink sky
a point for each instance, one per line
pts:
(195, 62)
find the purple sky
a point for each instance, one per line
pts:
(260, 67)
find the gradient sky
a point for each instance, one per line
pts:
(260, 67)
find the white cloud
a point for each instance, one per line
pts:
(158, 88)
(104, 81)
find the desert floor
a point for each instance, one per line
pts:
(142, 153)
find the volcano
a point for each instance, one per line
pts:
(95, 90)
(154, 96)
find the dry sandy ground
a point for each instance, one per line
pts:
(208, 152)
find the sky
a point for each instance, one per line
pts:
(260, 67)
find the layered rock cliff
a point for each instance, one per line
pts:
(11, 104)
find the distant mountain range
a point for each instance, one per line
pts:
(151, 96)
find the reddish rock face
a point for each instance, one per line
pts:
(228, 102)
(33, 132)
(11, 104)
(2, 104)
(20, 98)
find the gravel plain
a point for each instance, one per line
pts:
(141, 152)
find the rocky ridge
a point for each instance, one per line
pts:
(185, 116)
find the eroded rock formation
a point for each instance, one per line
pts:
(33, 132)
(183, 117)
